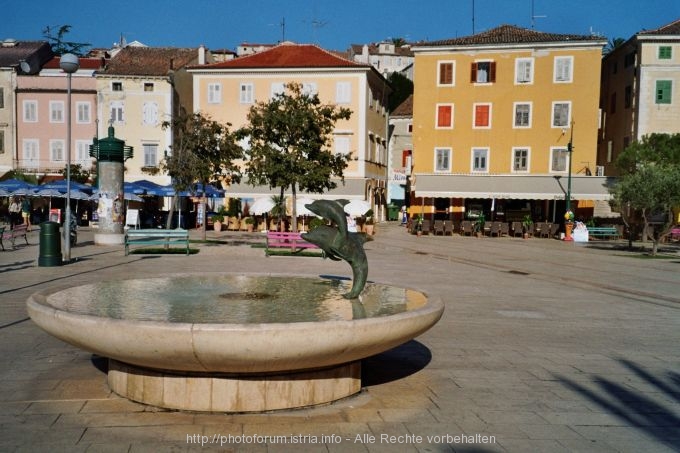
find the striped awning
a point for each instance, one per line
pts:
(526, 187)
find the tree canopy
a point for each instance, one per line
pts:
(203, 151)
(55, 35)
(290, 140)
(650, 184)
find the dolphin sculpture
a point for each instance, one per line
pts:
(338, 243)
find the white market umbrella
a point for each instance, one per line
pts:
(301, 209)
(261, 206)
(357, 207)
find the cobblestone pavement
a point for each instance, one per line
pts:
(543, 346)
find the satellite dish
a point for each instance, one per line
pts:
(25, 66)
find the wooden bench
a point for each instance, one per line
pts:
(288, 240)
(604, 232)
(16, 232)
(156, 237)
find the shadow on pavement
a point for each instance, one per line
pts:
(397, 363)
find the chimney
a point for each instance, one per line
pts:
(201, 54)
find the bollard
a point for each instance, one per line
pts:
(50, 245)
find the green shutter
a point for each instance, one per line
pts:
(664, 52)
(663, 91)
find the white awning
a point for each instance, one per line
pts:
(351, 190)
(525, 187)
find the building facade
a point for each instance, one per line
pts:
(385, 57)
(226, 91)
(400, 152)
(495, 116)
(640, 91)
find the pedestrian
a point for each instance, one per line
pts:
(26, 212)
(14, 212)
(351, 224)
(404, 215)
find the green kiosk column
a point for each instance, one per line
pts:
(110, 153)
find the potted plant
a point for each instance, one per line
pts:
(479, 225)
(369, 225)
(527, 225)
(218, 219)
(250, 224)
(419, 225)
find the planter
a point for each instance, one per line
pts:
(369, 229)
(249, 227)
(217, 225)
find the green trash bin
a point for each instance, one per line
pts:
(50, 245)
(392, 212)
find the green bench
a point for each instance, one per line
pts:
(604, 232)
(156, 237)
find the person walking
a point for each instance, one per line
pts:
(14, 212)
(26, 212)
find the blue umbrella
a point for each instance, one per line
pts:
(14, 184)
(60, 185)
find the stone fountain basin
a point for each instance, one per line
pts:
(234, 347)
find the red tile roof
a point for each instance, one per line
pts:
(150, 61)
(286, 55)
(509, 34)
(405, 108)
(669, 29)
(85, 63)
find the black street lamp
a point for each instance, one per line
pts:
(68, 63)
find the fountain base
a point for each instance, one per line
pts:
(221, 392)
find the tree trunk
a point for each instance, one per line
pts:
(294, 209)
(168, 222)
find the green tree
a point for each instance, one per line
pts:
(649, 186)
(203, 151)
(403, 88)
(55, 35)
(290, 144)
(78, 173)
(612, 44)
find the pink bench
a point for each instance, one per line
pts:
(292, 241)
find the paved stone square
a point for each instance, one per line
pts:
(543, 346)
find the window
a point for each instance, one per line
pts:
(2, 98)
(482, 116)
(246, 93)
(410, 128)
(309, 88)
(56, 111)
(563, 69)
(663, 91)
(57, 151)
(31, 152)
(445, 76)
(665, 52)
(444, 116)
(83, 110)
(116, 86)
(483, 72)
(561, 114)
(148, 86)
(214, 93)
(480, 159)
(524, 70)
(30, 111)
(83, 153)
(150, 113)
(342, 144)
(117, 111)
(150, 154)
(558, 160)
(628, 97)
(522, 114)
(629, 59)
(277, 88)
(343, 92)
(2, 142)
(520, 160)
(442, 159)
(612, 103)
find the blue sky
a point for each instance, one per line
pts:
(331, 24)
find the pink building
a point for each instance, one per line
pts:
(41, 103)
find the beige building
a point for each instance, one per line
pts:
(640, 91)
(226, 91)
(140, 88)
(400, 152)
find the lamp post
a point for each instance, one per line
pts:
(69, 64)
(569, 215)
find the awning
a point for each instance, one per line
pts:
(352, 189)
(525, 187)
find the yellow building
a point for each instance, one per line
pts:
(493, 115)
(227, 90)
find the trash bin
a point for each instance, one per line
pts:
(392, 212)
(50, 245)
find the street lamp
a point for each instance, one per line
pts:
(569, 215)
(69, 64)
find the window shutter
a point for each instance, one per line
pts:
(492, 72)
(473, 73)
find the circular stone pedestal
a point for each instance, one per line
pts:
(212, 392)
(109, 239)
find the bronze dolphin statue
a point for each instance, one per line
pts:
(338, 243)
